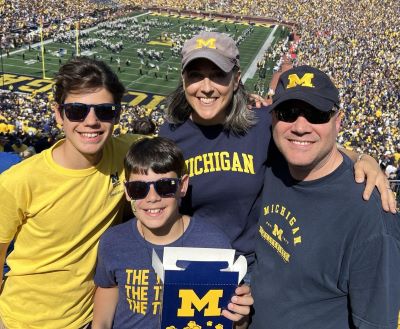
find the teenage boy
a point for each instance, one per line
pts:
(57, 204)
(324, 257)
(156, 180)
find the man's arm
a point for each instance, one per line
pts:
(3, 253)
(105, 302)
(367, 167)
(374, 285)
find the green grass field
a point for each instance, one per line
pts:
(25, 62)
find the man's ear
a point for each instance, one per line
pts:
(183, 185)
(338, 121)
(57, 112)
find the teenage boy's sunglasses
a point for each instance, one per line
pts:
(77, 112)
(165, 187)
(312, 115)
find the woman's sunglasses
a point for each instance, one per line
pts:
(312, 115)
(165, 187)
(77, 112)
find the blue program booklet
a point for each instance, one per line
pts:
(198, 284)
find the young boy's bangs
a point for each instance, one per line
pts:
(159, 154)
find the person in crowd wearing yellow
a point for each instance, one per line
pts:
(56, 204)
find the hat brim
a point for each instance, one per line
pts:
(212, 55)
(316, 101)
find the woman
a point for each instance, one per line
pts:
(225, 144)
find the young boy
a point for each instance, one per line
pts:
(156, 180)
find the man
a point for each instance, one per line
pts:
(57, 204)
(324, 257)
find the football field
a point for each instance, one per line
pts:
(141, 48)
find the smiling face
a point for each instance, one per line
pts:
(84, 141)
(309, 149)
(158, 217)
(209, 91)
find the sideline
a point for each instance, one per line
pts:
(251, 71)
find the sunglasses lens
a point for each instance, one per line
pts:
(313, 116)
(166, 187)
(75, 111)
(319, 117)
(289, 115)
(78, 112)
(137, 189)
(106, 112)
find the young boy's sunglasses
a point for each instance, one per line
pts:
(312, 115)
(77, 112)
(165, 187)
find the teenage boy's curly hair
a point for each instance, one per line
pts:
(82, 73)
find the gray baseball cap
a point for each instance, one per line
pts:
(219, 48)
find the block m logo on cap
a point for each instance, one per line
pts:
(209, 43)
(305, 81)
(209, 302)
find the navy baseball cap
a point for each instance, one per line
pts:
(307, 84)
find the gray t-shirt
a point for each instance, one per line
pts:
(124, 260)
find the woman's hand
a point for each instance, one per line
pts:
(257, 101)
(368, 168)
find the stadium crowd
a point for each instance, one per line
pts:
(358, 46)
(355, 43)
(20, 20)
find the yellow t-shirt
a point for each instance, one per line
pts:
(397, 158)
(3, 127)
(57, 216)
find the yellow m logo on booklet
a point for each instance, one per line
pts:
(209, 43)
(189, 298)
(305, 81)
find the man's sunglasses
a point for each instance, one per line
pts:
(77, 112)
(312, 115)
(165, 187)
